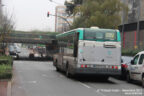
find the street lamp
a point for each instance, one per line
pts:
(65, 19)
(55, 2)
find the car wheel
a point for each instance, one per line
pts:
(128, 78)
(143, 81)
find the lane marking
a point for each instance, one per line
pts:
(97, 91)
(100, 93)
(84, 85)
(87, 86)
(33, 82)
(44, 75)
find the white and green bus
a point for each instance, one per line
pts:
(89, 51)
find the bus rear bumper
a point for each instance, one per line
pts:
(94, 71)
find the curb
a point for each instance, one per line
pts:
(9, 88)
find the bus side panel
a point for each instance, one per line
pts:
(58, 59)
(69, 61)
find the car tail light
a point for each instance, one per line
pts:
(85, 66)
(112, 67)
(124, 66)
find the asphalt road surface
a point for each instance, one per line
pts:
(39, 78)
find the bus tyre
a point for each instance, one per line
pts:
(17, 56)
(67, 72)
(143, 81)
(57, 69)
(128, 78)
(104, 78)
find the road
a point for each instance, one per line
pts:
(39, 78)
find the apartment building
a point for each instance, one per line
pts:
(62, 21)
(132, 27)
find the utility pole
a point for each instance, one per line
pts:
(65, 19)
(138, 23)
(123, 24)
(55, 2)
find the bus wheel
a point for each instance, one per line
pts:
(67, 72)
(143, 81)
(104, 78)
(17, 56)
(57, 69)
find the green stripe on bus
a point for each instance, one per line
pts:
(81, 34)
(118, 36)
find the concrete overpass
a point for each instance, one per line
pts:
(31, 38)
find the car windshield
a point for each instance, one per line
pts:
(100, 35)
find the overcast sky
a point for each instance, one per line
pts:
(31, 14)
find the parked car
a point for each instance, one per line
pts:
(18, 50)
(135, 70)
(13, 52)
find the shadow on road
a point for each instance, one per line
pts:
(89, 78)
(93, 79)
(33, 59)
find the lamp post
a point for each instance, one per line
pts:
(65, 19)
(138, 23)
(55, 2)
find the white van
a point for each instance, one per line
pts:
(135, 69)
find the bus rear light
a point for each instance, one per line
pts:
(82, 66)
(116, 67)
(112, 67)
(86, 66)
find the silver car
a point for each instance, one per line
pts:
(135, 69)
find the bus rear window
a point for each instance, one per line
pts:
(100, 35)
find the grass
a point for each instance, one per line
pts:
(5, 71)
(6, 68)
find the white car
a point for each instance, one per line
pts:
(135, 70)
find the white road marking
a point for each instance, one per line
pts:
(44, 75)
(84, 85)
(19, 87)
(100, 93)
(34, 82)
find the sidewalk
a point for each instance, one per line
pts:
(5, 88)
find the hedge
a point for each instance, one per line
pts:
(6, 63)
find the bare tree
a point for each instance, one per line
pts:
(6, 26)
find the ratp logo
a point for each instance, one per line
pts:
(109, 53)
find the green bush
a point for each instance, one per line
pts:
(6, 68)
(5, 71)
(129, 52)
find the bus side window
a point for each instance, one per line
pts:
(76, 44)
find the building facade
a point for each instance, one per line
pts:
(135, 12)
(62, 21)
(132, 28)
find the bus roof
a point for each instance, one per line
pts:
(68, 32)
(71, 31)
